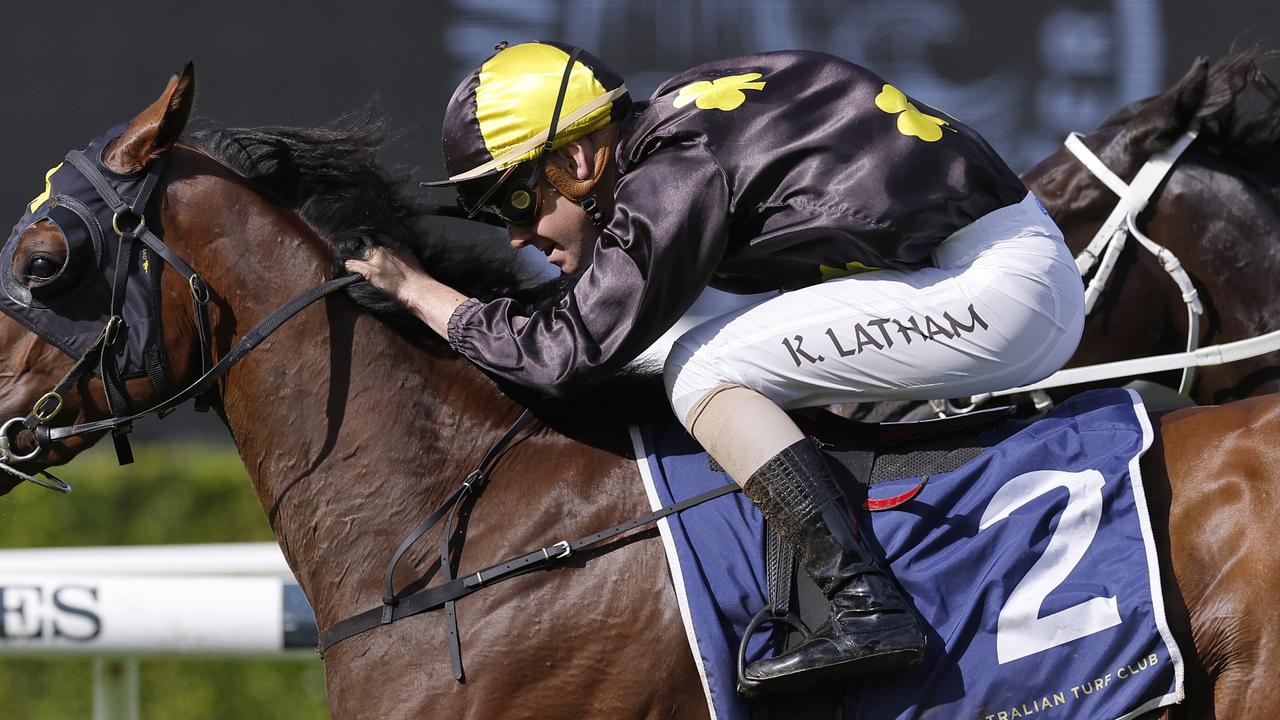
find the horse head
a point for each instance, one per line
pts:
(1218, 211)
(59, 270)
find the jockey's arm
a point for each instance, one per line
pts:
(665, 239)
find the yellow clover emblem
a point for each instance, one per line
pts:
(830, 272)
(911, 122)
(722, 93)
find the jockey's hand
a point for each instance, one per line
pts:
(399, 275)
(393, 273)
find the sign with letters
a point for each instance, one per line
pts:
(34, 612)
(142, 614)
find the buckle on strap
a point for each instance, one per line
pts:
(41, 410)
(199, 291)
(564, 551)
(134, 222)
(557, 551)
(111, 331)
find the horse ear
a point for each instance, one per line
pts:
(1189, 92)
(156, 129)
(1163, 118)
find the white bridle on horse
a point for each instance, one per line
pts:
(1212, 355)
(1121, 223)
(1104, 251)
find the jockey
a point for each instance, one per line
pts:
(906, 261)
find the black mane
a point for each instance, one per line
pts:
(332, 177)
(1248, 123)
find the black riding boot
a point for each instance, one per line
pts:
(871, 628)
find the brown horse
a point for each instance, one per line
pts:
(353, 427)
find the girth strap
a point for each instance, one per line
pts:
(437, 596)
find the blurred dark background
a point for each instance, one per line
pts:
(1021, 73)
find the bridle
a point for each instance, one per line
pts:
(128, 221)
(1105, 247)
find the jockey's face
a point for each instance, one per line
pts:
(563, 231)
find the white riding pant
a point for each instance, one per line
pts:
(1003, 307)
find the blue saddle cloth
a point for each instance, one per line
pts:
(1032, 566)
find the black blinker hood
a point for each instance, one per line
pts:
(70, 310)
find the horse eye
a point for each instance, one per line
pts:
(42, 267)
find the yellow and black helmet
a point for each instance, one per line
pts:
(501, 114)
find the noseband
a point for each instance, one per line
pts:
(98, 197)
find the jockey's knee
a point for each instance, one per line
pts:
(692, 379)
(699, 407)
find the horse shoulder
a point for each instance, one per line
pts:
(1213, 482)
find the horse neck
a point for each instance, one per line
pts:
(349, 431)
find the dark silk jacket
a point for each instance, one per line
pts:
(764, 172)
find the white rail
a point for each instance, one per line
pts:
(117, 604)
(262, 559)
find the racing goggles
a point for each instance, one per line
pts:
(515, 199)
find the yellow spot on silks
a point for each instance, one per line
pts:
(48, 188)
(722, 93)
(911, 122)
(146, 261)
(850, 268)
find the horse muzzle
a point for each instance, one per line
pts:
(12, 454)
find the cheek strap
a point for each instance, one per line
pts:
(573, 188)
(579, 191)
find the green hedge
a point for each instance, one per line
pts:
(172, 494)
